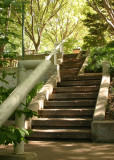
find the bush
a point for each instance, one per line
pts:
(99, 55)
(13, 135)
(33, 92)
(4, 93)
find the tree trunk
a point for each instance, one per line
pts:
(1, 49)
(36, 46)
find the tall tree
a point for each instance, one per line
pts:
(37, 15)
(6, 24)
(4, 19)
(67, 22)
(105, 9)
(97, 28)
(7, 31)
(61, 27)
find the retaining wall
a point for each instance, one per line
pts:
(12, 80)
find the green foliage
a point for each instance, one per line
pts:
(104, 9)
(4, 93)
(69, 45)
(27, 112)
(96, 28)
(98, 55)
(13, 135)
(3, 58)
(33, 92)
(111, 44)
(5, 32)
(9, 36)
(110, 106)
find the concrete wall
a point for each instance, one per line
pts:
(40, 57)
(13, 80)
(103, 131)
(33, 57)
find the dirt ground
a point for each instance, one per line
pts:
(47, 150)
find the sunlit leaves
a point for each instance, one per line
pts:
(67, 23)
(13, 135)
(27, 112)
(99, 55)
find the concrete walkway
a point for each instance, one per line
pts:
(68, 150)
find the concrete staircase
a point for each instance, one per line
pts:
(67, 115)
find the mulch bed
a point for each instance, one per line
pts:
(110, 107)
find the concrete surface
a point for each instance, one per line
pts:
(11, 79)
(48, 150)
(102, 100)
(103, 131)
(7, 155)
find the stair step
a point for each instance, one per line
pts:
(76, 89)
(70, 106)
(78, 83)
(81, 77)
(67, 96)
(68, 113)
(69, 70)
(61, 134)
(82, 102)
(68, 62)
(64, 113)
(69, 56)
(74, 65)
(69, 74)
(73, 60)
(61, 122)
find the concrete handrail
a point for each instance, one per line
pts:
(38, 101)
(56, 47)
(49, 57)
(99, 113)
(22, 90)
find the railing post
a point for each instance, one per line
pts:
(55, 53)
(20, 121)
(101, 104)
(105, 66)
(61, 49)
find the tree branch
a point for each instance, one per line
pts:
(97, 9)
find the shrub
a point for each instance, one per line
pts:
(13, 135)
(99, 55)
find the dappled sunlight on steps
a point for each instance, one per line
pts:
(68, 113)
